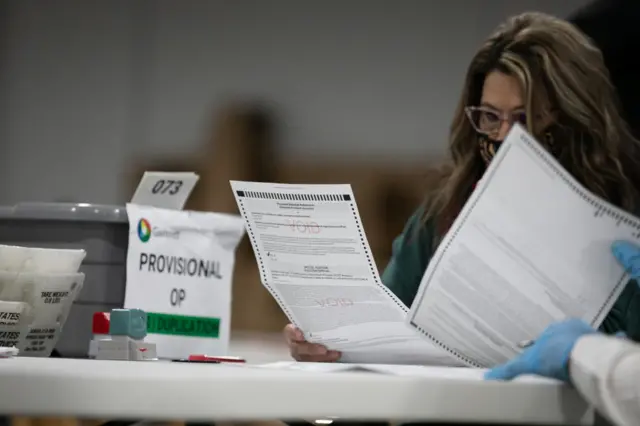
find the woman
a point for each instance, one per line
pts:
(544, 73)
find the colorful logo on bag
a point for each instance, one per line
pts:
(144, 230)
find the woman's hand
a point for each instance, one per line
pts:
(301, 350)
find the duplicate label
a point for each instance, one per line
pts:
(182, 325)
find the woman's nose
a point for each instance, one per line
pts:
(505, 126)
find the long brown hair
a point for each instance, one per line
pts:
(560, 70)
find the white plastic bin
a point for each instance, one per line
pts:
(102, 231)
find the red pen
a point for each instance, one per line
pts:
(207, 358)
(198, 358)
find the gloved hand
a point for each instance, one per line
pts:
(548, 356)
(628, 254)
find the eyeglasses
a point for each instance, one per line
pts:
(489, 121)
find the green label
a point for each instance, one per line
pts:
(181, 325)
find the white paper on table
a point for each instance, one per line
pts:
(315, 260)
(8, 352)
(530, 247)
(420, 371)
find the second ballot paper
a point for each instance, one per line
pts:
(530, 247)
(315, 260)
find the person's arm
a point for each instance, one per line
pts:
(606, 371)
(411, 252)
(628, 304)
(625, 313)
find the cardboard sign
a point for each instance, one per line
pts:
(169, 190)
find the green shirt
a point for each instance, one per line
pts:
(413, 249)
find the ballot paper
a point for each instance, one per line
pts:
(531, 246)
(314, 258)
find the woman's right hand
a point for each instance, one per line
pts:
(301, 350)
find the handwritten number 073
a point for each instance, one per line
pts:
(170, 187)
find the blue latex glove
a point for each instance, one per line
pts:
(548, 356)
(628, 254)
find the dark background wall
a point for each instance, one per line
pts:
(88, 85)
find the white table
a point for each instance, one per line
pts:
(204, 392)
(259, 348)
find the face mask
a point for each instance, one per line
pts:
(489, 147)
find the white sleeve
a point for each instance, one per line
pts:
(606, 371)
